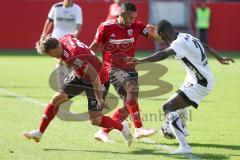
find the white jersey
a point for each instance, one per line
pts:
(64, 19)
(190, 52)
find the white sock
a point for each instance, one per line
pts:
(183, 116)
(67, 70)
(176, 126)
(59, 74)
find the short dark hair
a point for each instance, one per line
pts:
(46, 43)
(164, 26)
(128, 6)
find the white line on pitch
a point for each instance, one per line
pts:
(21, 97)
(168, 148)
(145, 140)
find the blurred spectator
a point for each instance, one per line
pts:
(203, 15)
(114, 9)
(65, 17)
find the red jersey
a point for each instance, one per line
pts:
(119, 42)
(78, 55)
(114, 10)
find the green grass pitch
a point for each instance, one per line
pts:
(214, 127)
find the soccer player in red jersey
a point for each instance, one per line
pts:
(85, 78)
(114, 9)
(117, 38)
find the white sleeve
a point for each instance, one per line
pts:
(51, 13)
(79, 18)
(179, 47)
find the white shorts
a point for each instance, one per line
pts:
(193, 93)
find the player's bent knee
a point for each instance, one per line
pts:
(167, 108)
(95, 118)
(132, 90)
(131, 84)
(59, 98)
(96, 121)
(124, 110)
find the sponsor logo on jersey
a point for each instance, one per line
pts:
(145, 31)
(130, 32)
(66, 11)
(66, 54)
(121, 41)
(66, 19)
(113, 35)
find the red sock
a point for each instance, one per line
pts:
(49, 113)
(118, 116)
(108, 122)
(133, 109)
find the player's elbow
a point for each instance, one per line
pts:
(205, 46)
(94, 46)
(163, 56)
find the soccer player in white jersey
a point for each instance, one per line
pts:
(198, 82)
(65, 17)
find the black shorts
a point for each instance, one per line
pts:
(119, 78)
(74, 86)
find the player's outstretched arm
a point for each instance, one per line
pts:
(97, 86)
(158, 56)
(47, 26)
(213, 52)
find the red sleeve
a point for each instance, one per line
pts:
(94, 61)
(99, 68)
(142, 28)
(99, 35)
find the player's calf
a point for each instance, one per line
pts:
(59, 98)
(50, 112)
(98, 119)
(132, 90)
(119, 115)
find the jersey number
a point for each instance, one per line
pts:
(77, 42)
(197, 45)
